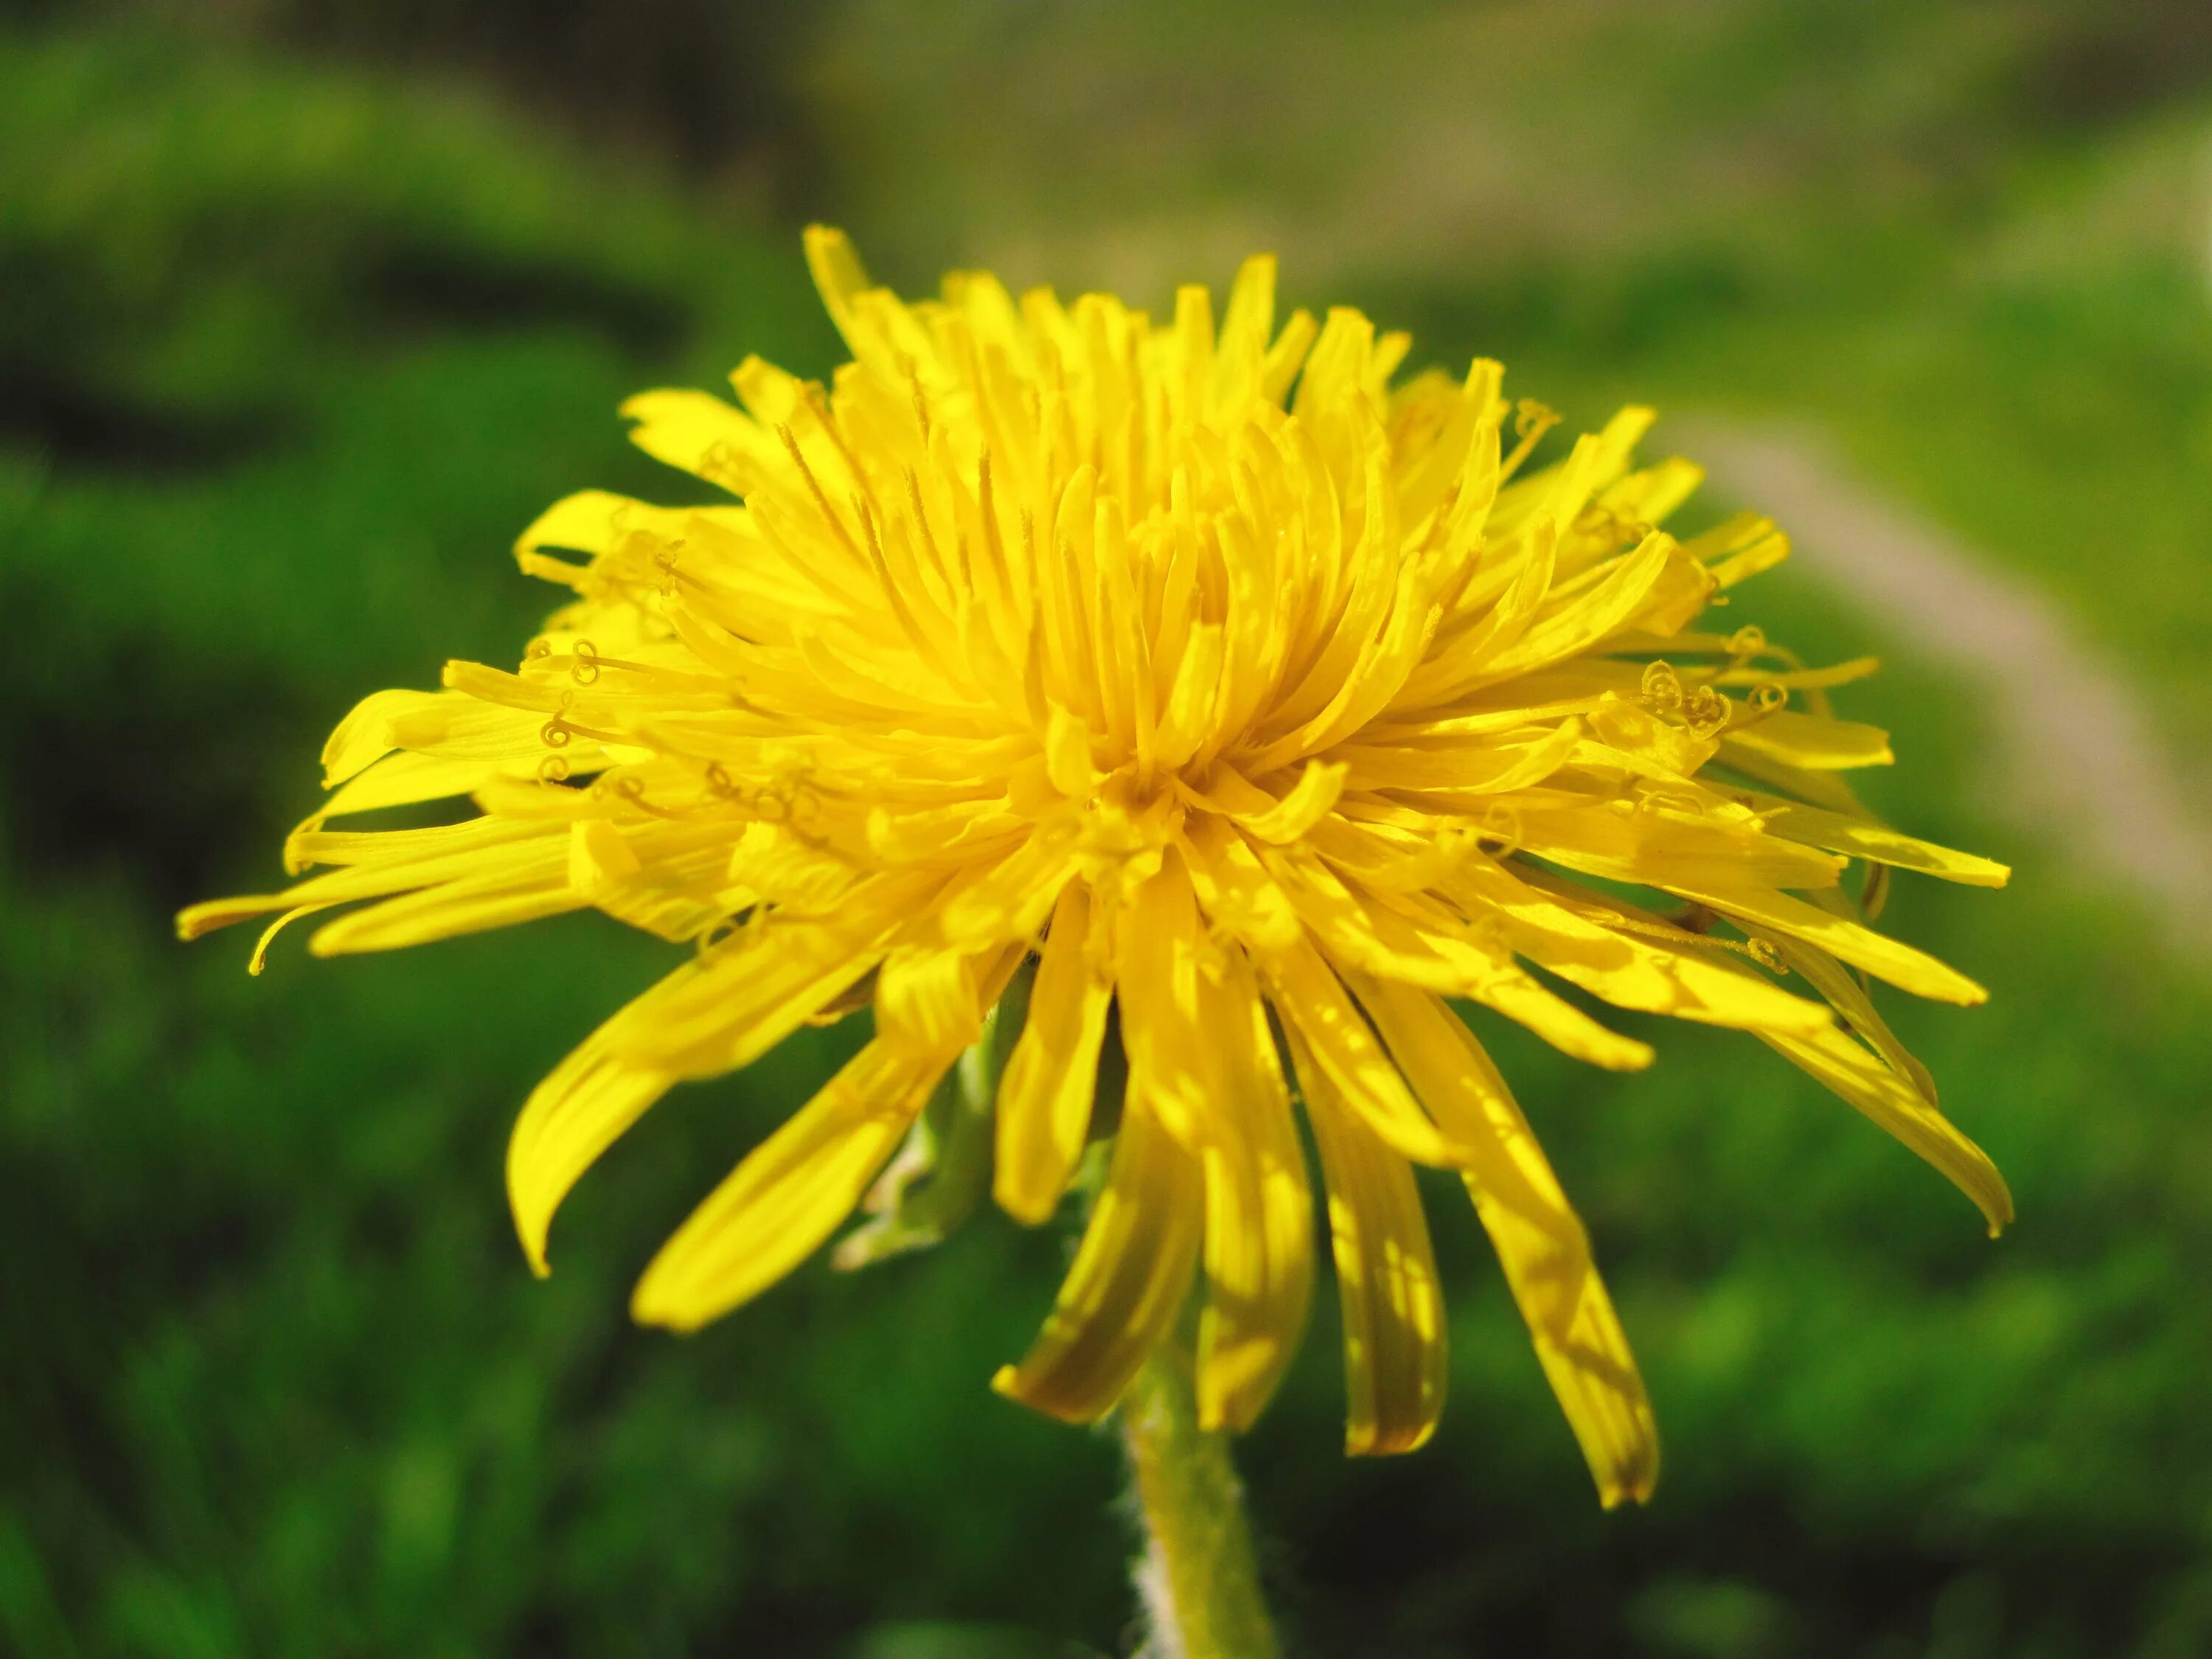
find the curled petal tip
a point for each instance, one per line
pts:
(532, 1240)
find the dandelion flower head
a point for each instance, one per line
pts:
(1230, 710)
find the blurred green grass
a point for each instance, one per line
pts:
(290, 353)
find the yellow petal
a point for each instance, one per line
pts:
(597, 522)
(582, 1108)
(1239, 897)
(701, 433)
(1156, 979)
(605, 869)
(1394, 1352)
(1845, 1067)
(365, 734)
(1471, 768)
(400, 780)
(1656, 847)
(1011, 899)
(1564, 1026)
(1586, 619)
(1307, 804)
(446, 911)
(1339, 1048)
(1757, 910)
(1810, 742)
(839, 276)
(1259, 1213)
(740, 1000)
(1128, 1280)
(1843, 991)
(1739, 549)
(1867, 839)
(1045, 1092)
(1691, 982)
(777, 1206)
(1540, 1241)
(927, 1000)
(480, 873)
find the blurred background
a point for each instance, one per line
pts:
(306, 306)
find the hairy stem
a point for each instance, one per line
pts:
(1198, 1578)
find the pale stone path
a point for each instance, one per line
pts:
(2076, 758)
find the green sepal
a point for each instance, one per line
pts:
(943, 1170)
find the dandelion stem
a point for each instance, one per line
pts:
(1199, 1583)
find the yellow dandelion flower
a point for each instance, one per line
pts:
(1260, 707)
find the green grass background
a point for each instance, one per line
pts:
(295, 336)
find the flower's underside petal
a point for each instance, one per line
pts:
(1863, 838)
(741, 1000)
(1828, 790)
(1811, 742)
(1259, 1211)
(1848, 995)
(730, 1008)
(666, 879)
(1739, 549)
(1657, 847)
(434, 884)
(452, 725)
(1889, 1085)
(799, 878)
(1850, 1071)
(1394, 1352)
(1011, 899)
(1539, 1239)
(1691, 983)
(584, 1105)
(926, 998)
(1155, 982)
(449, 910)
(364, 736)
(1560, 1023)
(401, 779)
(791, 1193)
(1319, 1014)
(1045, 1092)
(1488, 975)
(704, 436)
(609, 1082)
(1757, 910)
(1130, 1275)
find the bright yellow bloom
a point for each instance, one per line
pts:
(1262, 708)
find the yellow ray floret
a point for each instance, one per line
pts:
(1244, 710)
